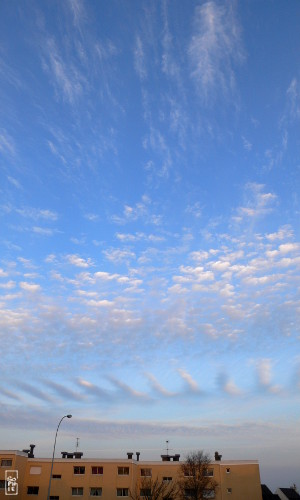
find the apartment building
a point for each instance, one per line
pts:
(24, 476)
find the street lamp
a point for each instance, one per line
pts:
(65, 416)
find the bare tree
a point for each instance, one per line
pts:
(195, 480)
(154, 489)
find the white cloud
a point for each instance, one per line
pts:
(30, 287)
(77, 261)
(118, 255)
(8, 285)
(283, 233)
(43, 231)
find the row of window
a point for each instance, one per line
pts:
(122, 471)
(120, 492)
(94, 492)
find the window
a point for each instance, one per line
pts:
(56, 476)
(209, 472)
(123, 471)
(2, 484)
(229, 490)
(146, 472)
(122, 492)
(35, 470)
(32, 490)
(167, 479)
(54, 497)
(96, 492)
(228, 470)
(5, 462)
(145, 492)
(189, 493)
(187, 473)
(208, 494)
(79, 469)
(97, 470)
(77, 492)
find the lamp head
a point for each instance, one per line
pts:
(69, 416)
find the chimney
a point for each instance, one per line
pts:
(130, 455)
(78, 454)
(137, 456)
(30, 454)
(176, 457)
(217, 456)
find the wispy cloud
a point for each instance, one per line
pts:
(7, 145)
(67, 78)
(293, 93)
(264, 371)
(139, 58)
(188, 379)
(259, 203)
(158, 387)
(214, 48)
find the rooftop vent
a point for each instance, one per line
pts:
(138, 455)
(30, 451)
(74, 454)
(168, 458)
(129, 455)
(217, 456)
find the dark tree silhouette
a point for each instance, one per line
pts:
(154, 489)
(195, 479)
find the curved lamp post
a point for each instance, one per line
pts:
(65, 416)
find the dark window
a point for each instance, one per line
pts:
(2, 484)
(145, 492)
(167, 479)
(56, 476)
(79, 469)
(228, 470)
(54, 497)
(123, 471)
(97, 470)
(209, 472)
(5, 462)
(77, 492)
(96, 492)
(122, 492)
(208, 494)
(32, 490)
(189, 493)
(146, 472)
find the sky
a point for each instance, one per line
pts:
(149, 228)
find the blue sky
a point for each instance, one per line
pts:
(150, 254)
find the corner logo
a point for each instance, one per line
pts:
(11, 482)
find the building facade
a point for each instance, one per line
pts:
(24, 476)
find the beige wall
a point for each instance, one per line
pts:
(242, 477)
